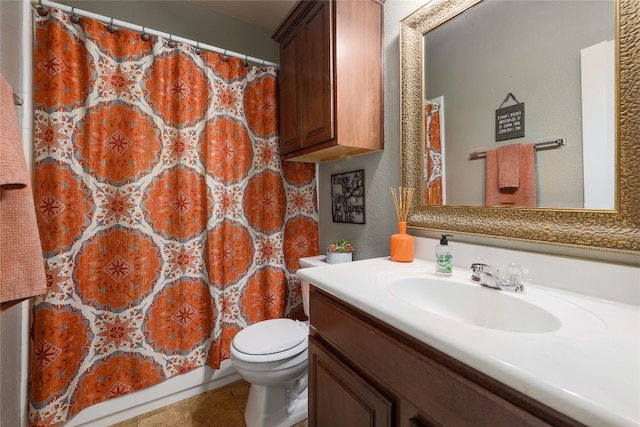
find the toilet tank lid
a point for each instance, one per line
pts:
(314, 261)
(271, 336)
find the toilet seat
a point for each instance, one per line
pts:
(271, 340)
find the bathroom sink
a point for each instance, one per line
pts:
(473, 304)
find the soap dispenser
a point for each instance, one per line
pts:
(444, 257)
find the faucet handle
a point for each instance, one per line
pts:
(514, 276)
(514, 273)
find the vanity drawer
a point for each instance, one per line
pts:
(445, 391)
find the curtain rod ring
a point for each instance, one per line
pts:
(74, 18)
(111, 28)
(41, 10)
(198, 50)
(171, 43)
(144, 36)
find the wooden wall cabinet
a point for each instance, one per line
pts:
(363, 372)
(331, 80)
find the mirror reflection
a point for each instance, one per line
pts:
(506, 75)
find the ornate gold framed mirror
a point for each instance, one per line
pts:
(614, 233)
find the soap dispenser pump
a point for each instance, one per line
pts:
(444, 257)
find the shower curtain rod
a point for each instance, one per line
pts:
(37, 4)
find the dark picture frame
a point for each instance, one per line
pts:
(347, 197)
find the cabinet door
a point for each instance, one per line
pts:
(340, 397)
(290, 90)
(318, 75)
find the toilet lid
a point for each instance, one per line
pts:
(270, 336)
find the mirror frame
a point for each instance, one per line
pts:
(615, 232)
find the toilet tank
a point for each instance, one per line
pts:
(314, 261)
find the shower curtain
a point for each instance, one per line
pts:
(433, 153)
(168, 221)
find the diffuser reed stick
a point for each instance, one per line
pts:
(402, 202)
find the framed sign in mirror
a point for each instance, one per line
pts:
(347, 197)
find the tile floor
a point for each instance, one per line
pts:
(222, 407)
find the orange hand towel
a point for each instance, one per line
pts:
(492, 192)
(508, 172)
(22, 272)
(508, 166)
(525, 194)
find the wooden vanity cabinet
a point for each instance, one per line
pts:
(362, 372)
(331, 82)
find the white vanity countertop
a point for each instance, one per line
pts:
(590, 372)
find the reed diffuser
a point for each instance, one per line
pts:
(402, 243)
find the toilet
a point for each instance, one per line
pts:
(272, 356)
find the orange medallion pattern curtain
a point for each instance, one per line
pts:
(168, 220)
(433, 155)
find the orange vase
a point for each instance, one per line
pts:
(402, 244)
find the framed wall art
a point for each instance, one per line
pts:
(347, 197)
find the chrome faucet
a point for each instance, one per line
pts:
(485, 275)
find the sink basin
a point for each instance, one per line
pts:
(474, 304)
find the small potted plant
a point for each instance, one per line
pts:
(339, 251)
